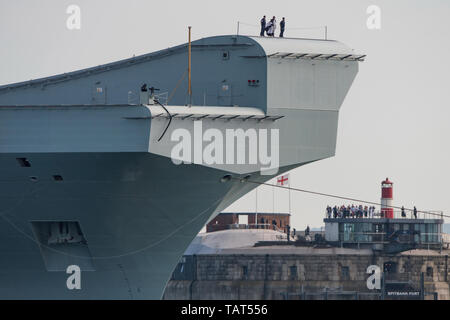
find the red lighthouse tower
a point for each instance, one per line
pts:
(387, 211)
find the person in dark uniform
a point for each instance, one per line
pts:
(403, 212)
(288, 232)
(307, 231)
(415, 212)
(263, 26)
(282, 25)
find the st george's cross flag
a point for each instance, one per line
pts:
(283, 180)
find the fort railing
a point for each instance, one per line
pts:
(250, 226)
(397, 215)
(263, 226)
(298, 31)
(266, 226)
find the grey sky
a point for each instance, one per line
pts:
(394, 121)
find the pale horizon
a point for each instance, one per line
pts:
(393, 122)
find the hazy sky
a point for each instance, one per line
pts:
(394, 122)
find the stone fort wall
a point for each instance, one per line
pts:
(260, 277)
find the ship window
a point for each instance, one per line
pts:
(429, 271)
(57, 177)
(23, 162)
(225, 55)
(345, 272)
(244, 272)
(293, 272)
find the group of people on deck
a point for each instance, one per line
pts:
(270, 27)
(353, 211)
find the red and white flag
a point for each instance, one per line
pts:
(283, 180)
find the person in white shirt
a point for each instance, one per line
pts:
(274, 24)
(268, 26)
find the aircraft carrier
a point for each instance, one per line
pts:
(86, 173)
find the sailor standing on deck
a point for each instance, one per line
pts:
(269, 28)
(274, 25)
(263, 26)
(282, 25)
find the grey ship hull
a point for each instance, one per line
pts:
(136, 210)
(136, 229)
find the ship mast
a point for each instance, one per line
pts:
(189, 69)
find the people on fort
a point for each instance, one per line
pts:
(353, 211)
(359, 211)
(350, 211)
(329, 210)
(282, 25)
(371, 212)
(263, 26)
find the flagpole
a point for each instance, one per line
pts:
(289, 198)
(273, 199)
(256, 208)
(189, 69)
